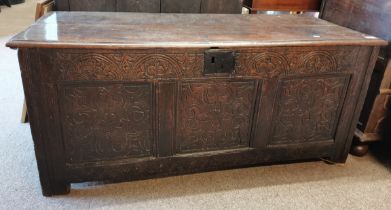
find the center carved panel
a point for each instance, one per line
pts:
(215, 115)
(103, 122)
(307, 109)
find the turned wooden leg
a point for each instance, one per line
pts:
(56, 189)
(359, 149)
(361, 141)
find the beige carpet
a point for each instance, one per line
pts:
(361, 183)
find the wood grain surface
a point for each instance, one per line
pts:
(142, 30)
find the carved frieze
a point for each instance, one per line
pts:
(262, 62)
(128, 66)
(273, 63)
(317, 62)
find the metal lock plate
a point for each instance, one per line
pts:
(219, 62)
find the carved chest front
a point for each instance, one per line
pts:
(141, 96)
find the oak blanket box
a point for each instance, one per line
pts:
(126, 96)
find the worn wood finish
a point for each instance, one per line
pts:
(155, 6)
(222, 6)
(138, 6)
(282, 5)
(121, 106)
(369, 16)
(61, 5)
(156, 30)
(180, 6)
(372, 17)
(92, 5)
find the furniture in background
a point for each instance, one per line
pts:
(185, 93)
(17, 1)
(5, 2)
(163, 6)
(43, 6)
(371, 17)
(283, 5)
(11, 2)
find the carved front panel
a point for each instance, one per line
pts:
(106, 121)
(308, 109)
(214, 115)
(211, 113)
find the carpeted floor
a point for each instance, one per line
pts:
(361, 183)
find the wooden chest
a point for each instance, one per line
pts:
(125, 96)
(163, 6)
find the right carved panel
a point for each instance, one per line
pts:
(307, 109)
(215, 115)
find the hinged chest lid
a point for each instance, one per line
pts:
(147, 30)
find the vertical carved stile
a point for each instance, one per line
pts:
(370, 54)
(32, 83)
(257, 100)
(166, 111)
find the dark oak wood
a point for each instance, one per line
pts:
(180, 6)
(117, 106)
(371, 17)
(6, 2)
(138, 6)
(92, 5)
(155, 6)
(221, 6)
(62, 5)
(58, 30)
(282, 5)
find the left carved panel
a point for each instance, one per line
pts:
(106, 121)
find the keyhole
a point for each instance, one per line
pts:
(213, 59)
